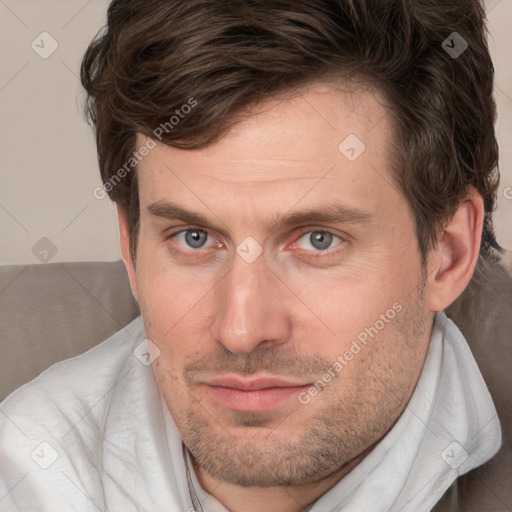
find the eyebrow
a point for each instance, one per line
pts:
(334, 213)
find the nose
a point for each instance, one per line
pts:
(251, 308)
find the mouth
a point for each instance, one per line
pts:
(258, 394)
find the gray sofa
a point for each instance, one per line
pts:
(55, 311)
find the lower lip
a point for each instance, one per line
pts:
(256, 400)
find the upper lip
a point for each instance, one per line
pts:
(254, 383)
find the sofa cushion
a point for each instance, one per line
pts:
(55, 311)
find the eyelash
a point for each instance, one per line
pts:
(314, 254)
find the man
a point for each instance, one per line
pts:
(302, 189)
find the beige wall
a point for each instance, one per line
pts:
(48, 163)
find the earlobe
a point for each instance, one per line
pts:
(453, 261)
(124, 237)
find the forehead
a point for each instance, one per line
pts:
(325, 141)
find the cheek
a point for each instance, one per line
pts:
(169, 293)
(336, 308)
(169, 308)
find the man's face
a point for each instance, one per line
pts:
(287, 349)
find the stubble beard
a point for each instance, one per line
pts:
(292, 454)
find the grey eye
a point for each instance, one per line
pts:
(318, 240)
(194, 238)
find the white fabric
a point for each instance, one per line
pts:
(90, 434)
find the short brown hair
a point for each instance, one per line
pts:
(154, 56)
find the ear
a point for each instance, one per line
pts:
(453, 262)
(124, 235)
